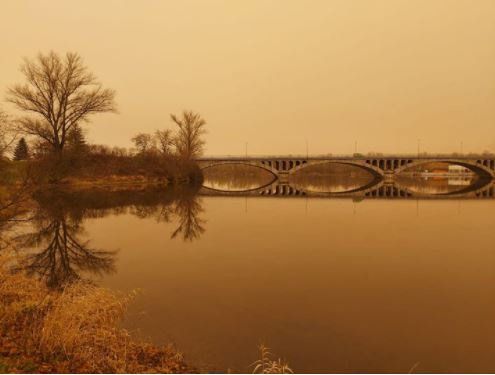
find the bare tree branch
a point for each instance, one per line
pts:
(189, 142)
(165, 141)
(59, 93)
(8, 134)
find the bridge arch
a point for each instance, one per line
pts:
(479, 169)
(273, 172)
(377, 173)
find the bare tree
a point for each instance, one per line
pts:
(7, 134)
(165, 141)
(189, 142)
(61, 93)
(144, 143)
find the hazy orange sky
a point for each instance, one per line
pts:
(274, 73)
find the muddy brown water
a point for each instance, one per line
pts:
(331, 285)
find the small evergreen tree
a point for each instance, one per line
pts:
(21, 151)
(76, 141)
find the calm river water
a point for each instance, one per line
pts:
(331, 285)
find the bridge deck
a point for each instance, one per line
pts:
(466, 157)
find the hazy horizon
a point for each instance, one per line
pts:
(275, 73)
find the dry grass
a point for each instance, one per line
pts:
(75, 330)
(267, 365)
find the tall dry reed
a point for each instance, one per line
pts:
(73, 330)
(267, 365)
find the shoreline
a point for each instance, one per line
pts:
(75, 329)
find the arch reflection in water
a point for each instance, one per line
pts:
(332, 178)
(381, 189)
(439, 185)
(58, 251)
(236, 177)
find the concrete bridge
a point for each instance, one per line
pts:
(283, 166)
(383, 169)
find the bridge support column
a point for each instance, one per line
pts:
(283, 177)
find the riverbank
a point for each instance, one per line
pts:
(116, 182)
(74, 330)
(98, 170)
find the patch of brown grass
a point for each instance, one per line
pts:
(267, 365)
(73, 330)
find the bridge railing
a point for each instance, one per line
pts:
(352, 156)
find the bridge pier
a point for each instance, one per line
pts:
(283, 177)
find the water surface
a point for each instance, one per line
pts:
(332, 285)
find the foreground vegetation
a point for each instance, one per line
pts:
(77, 330)
(74, 330)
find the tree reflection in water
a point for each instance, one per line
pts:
(191, 226)
(61, 255)
(183, 205)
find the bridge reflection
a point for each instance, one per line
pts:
(378, 188)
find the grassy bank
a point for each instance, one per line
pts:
(74, 330)
(101, 169)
